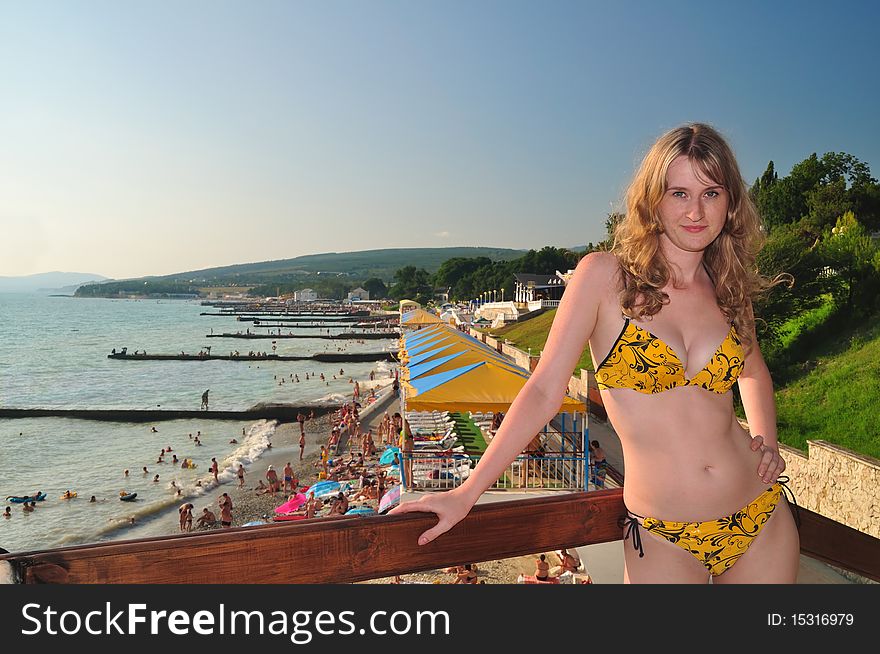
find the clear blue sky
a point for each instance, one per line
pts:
(157, 137)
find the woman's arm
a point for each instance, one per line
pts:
(540, 398)
(756, 391)
(542, 395)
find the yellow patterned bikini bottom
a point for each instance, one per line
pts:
(717, 544)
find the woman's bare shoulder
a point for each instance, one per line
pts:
(599, 264)
(597, 270)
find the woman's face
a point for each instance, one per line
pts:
(693, 209)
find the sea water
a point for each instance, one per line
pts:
(53, 354)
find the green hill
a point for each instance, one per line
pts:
(362, 264)
(331, 274)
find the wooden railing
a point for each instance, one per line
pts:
(349, 549)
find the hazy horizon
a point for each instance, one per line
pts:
(163, 137)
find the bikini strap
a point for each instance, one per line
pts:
(631, 523)
(783, 480)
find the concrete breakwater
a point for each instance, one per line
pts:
(343, 335)
(280, 412)
(325, 357)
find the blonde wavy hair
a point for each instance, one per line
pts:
(729, 259)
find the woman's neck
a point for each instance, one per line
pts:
(684, 266)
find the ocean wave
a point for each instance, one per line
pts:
(332, 398)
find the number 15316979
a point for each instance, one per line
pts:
(810, 619)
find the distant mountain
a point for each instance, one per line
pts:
(363, 264)
(46, 282)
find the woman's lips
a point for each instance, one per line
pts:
(696, 229)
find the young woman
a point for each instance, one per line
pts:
(668, 315)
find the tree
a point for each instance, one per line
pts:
(850, 253)
(788, 250)
(817, 191)
(412, 283)
(376, 287)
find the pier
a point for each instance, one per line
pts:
(338, 325)
(325, 357)
(343, 335)
(280, 412)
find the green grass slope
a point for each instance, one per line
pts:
(838, 400)
(532, 333)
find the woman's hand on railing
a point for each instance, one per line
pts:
(449, 507)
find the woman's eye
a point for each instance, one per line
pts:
(712, 194)
(678, 194)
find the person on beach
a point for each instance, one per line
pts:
(146, 472)
(407, 444)
(288, 477)
(7, 513)
(668, 314)
(225, 503)
(182, 511)
(207, 519)
(29, 507)
(272, 478)
(466, 575)
(240, 476)
(542, 568)
(324, 458)
(301, 419)
(205, 399)
(599, 463)
(153, 430)
(215, 469)
(302, 445)
(339, 505)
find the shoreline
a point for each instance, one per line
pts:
(248, 506)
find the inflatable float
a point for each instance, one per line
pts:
(68, 495)
(289, 517)
(361, 510)
(127, 497)
(19, 499)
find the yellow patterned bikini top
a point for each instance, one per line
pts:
(642, 362)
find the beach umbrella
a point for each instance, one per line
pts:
(390, 499)
(324, 489)
(361, 510)
(388, 455)
(293, 504)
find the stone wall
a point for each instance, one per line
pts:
(836, 482)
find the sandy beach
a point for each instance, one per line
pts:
(249, 506)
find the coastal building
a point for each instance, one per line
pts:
(305, 295)
(358, 294)
(546, 288)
